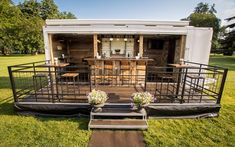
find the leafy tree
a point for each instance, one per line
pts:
(21, 25)
(228, 42)
(49, 9)
(9, 18)
(67, 15)
(204, 16)
(30, 8)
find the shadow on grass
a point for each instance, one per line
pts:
(7, 109)
(5, 82)
(83, 122)
(6, 100)
(223, 61)
(17, 55)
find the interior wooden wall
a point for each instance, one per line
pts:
(160, 56)
(75, 47)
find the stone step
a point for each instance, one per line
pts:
(118, 124)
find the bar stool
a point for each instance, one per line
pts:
(195, 85)
(96, 73)
(68, 77)
(140, 72)
(166, 88)
(108, 72)
(39, 82)
(125, 72)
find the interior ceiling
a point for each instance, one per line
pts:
(79, 37)
(71, 36)
(162, 36)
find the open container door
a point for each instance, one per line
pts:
(198, 44)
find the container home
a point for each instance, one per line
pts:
(169, 59)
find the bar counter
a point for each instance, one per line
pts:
(146, 59)
(130, 70)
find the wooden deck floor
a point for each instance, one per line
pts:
(118, 138)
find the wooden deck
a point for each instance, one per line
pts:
(108, 138)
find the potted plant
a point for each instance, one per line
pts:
(142, 99)
(97, 99)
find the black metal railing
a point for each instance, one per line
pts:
(46, 82)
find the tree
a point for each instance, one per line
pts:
(49, 9)
(67, 15)
(228, 42)
(204, 16)
(30, 8)
(21, 25)
(9, 18)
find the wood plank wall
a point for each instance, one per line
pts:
(76, 48)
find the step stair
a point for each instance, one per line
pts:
(118, 118)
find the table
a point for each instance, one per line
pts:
(73, 76)
(180, 67)
(59, 65)
(55, 66)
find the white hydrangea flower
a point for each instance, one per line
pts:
(96, 97)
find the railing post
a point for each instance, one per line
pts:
(222, 86)
(146, 76)
(183, 88)
(13, 87)
(90, 76)
(52, 86)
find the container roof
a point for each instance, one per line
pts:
(77, 22)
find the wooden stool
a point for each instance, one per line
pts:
(73, 77)
(196, 84)
(39, 80)
(125, 72)
(108, 72)
(96, 72)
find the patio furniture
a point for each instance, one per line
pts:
(180, 68)
(195, 84)
(72, 77)
(125, 72)
(40, 81)
(96, 73)
(140, 72)
(167, 87)
(108, 72)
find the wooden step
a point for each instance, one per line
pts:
(117, 124)
(119, 112)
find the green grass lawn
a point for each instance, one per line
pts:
(200, 132)
(35, 131)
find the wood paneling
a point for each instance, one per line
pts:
(141, 47)
(95, 44)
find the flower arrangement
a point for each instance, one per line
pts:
(97, 97)
(141, 99)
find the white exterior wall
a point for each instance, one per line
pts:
(198, 44)
(46, 45)
(198, 40)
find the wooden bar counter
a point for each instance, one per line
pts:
(119, 70)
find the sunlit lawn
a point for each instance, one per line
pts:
(200, 132)
(35, 131)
